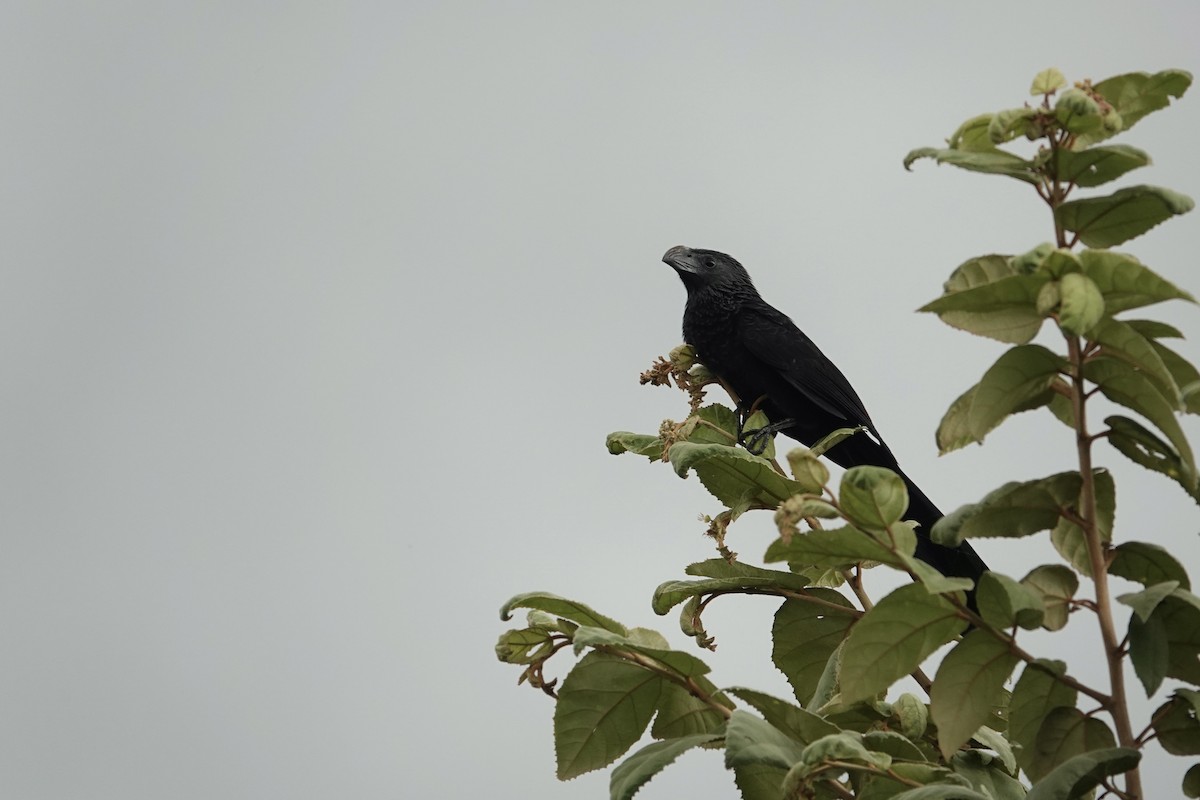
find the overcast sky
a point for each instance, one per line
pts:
(315, 317)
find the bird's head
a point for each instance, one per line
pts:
(703, 269)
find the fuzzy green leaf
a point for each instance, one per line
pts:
(1149, 651)
(1013, 510)
(873, 498)
(1068, 538)
(604, 705)
(1064, 734)
(1144, 602)
(640, 444)
(1056, 586)
(803, 726)
(635, 771)
(732, 475)
(839, 547)
(750, 740)
(804, 635)
(955, 431)
(1048, 81)
(1181, 618)
(968, 682)
(1125, 386)
(1136, 94)
(893, 638)
(1019, 376)
(1080, 774)
(1120, 216)
(1081, 304)
(1123, 341)
(1098, 165)
(995, 162)
(1147, 564)
(1125, 282)
(1003, 602)
(721, 576)
(1176, 724)
(988, 296)
(1141, 446)
(562, 607)
(1035, 695)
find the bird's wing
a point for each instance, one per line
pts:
(772, 338)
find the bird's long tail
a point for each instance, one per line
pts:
(958, 562)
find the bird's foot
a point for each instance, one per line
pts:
(756, 441)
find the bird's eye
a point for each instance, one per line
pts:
(708, 262)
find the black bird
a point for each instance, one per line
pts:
(768, 363)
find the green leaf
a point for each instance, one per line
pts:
(1048, 81)
(843, 746)
(1125, 386)
(639, 444)
(1120, 216)
(1019, 376)
(732, 475)
(941, 791)
(803, 726)
(1136, 94)
(750, 740)
(1125, 282)
(562, 607)
(715, 424)
(838, 547)
(873, 498)
(522, 646)
(1036, 694)
(893, 744)
(836, 437)
(1123, 341)
(1144, 602)
(1147, 564)
(995, 741)
(968, 681)
(1003, 602)
(1184, 375)
(684, 664)
(1009, 124)
(681, 713)
(1064, 734)
(912, 715)
(604, 705)
(1141, 446)
(804, 636)
(1153, 329)
(994, 162)
(1176, 724)
(1191, 781)
(954, 431)
(726, 577)
(1078, 113)
(1080, 774)
(1098, 165)
(988, 775)
(758, 781)
(1056, 586)
(1149, 651)
(893, 638)
(1181, 618)
(808, 469)
(972, 135)
(635, 771)
(1013, 510)
(1081, 304)
(1068, 538)
(988, 296)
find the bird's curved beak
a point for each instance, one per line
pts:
(680, 258)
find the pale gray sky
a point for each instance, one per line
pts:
(316, 315)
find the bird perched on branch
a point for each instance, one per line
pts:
(768, 363)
